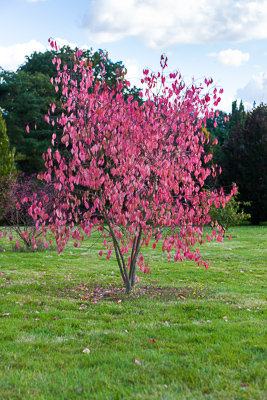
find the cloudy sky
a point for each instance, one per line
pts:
(222, 39)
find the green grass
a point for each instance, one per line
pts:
(202, 347)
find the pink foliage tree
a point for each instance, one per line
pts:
(135, 173)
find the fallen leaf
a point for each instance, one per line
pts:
(244, 384)
(119, 301)
(86, 350)
(84, 297)
(165, 386)
(6, 314)
(182, 296)
(137, 362)
(132, 322)
(152, 340)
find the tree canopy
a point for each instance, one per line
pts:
(246, 161)
(134, 171)
(25, 96)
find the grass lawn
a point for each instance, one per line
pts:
(186, 333)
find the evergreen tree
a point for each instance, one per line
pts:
(245, 163)
(7, 156)
(238, 116)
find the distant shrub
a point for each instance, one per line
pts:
(19, 192)
(231, 215)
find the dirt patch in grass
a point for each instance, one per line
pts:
(94, 293)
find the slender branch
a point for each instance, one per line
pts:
(134, 259)
(119, 256)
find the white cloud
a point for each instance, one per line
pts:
(134, 73)
(12, 57)
(255, 90)
(232, 58)
(161, 24)
(63, 42)
(226, 103)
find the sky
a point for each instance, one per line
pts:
(222, 39)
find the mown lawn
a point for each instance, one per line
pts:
(186, 333)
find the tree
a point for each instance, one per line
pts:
(25, 96)
(216, 132)
(42, 63)
(238, 116)
(134, 172)
(219, 126)
(7, 156)
(246, 155)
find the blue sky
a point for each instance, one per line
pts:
(222, 39)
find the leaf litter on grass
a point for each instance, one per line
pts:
(90, 292)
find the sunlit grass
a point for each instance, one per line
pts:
(198, 334)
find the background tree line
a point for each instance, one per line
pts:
(25, 96)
